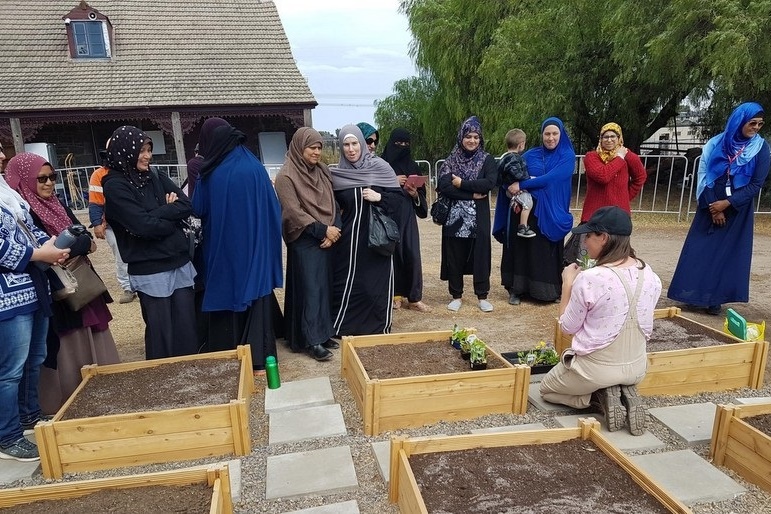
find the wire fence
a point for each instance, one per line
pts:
(668, 190)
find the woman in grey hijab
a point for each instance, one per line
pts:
(363, 279)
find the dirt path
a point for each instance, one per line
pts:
(507, 328)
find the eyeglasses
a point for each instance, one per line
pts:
(756, 123)
(371, 141)
(609, 137)
(45, 178)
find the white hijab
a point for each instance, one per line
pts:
(11, 200)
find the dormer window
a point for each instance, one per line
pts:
(89, 33)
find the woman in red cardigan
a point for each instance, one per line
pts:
(614, 174)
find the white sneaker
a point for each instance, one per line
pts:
(454, 305)
(485, 306)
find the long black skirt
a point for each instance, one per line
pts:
(308, 294)
(257, 326)
(532, 266)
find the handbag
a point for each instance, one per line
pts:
(440, 210)
(89, 284)
(63, 282)
(383, 232)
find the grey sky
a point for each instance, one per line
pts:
(351, 53)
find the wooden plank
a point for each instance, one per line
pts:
(410, 499)
(675, 360)
(393, 471)
(147, 445)
(134, 425)
(753, 467)
(759, 365)
(720, 430)
(21, 495)
(420, 445)
(367, 407)
(751, 438)
(50, 464)
(718, 384)
(150, 458)
(480, 397)
(756, 409)
(236, 420)
(449, 384)
(401, 338)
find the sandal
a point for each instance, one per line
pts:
(419, 306)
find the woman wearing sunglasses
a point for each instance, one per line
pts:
(75, 338)
(714, 265)
(371, 135)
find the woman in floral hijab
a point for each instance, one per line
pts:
(466, 177)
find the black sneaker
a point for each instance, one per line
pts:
(319, 353)
(608, 401)
(29, 428)
(636, 413)
(514, 299)
(21, 450)
(330, 344)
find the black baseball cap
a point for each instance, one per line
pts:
(611, 220)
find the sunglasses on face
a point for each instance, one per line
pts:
(45, 178)
(756, 123)
(371, 141)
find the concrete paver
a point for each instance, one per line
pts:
(621, 439)
(692, 422)
(325, 471)
(299, 394)
(688, 477)
(349, 507)
(534, 398)
(753, 401)
(308, 423)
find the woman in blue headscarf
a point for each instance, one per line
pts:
(466, 177)
(714, 265)
(533, 266)
(241, 243)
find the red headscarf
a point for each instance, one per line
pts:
(21, 174)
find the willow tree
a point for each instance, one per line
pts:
(517, 62)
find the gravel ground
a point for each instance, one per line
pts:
(508, 328)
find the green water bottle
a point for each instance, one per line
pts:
(271, 372)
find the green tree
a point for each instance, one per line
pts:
(513, 63)
(416, 106)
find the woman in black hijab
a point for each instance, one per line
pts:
(408, 269)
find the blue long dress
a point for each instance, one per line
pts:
(714, 265)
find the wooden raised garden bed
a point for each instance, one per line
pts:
(413, 401)
(148, 437)
(732, 365)
(741, 447)
(217, 478)
(404, 488)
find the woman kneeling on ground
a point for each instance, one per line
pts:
(609, 311)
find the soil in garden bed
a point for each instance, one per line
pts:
(570, 477)
(677, 334)
(168, 386)
(762, 422)
(416, 360)
(189, 499)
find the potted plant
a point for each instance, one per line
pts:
(540, 358)
(477, 354)
(465, 346)
(458, 335)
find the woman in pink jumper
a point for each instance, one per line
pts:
(609, 311)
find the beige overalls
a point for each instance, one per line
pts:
(623, 362)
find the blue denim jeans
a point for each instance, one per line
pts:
(22, 351)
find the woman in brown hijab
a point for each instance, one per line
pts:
(310, 225)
